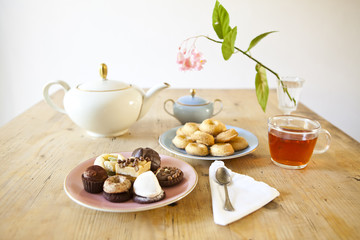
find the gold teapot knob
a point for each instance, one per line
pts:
(192, 92)
(103, 71)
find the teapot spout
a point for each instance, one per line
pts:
(150, 96)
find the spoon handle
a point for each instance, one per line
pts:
(228, 206)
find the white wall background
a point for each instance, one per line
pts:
(47, 40)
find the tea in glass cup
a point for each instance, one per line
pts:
(293, 140)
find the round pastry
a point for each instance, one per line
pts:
(180, 141)
(212, 126)
(221, 149)
(147, 188)
(239, 143)
(226, 136)
(149, 153)
(222, 126)
(179, 131)
(93, 179)
(117, 189)
(203, 137)
(197, 149)
(169, 176)
(189, 128)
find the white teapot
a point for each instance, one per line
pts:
(104, 108)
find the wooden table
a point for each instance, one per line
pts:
(40, 147)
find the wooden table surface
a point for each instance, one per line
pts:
(40, 147)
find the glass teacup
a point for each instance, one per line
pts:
(293, 140)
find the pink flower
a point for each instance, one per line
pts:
(190, 59)
(180, 58)
(197, 59)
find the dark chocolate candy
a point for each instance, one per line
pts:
(93, 179)
(150, 154)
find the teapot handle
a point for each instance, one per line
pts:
(169, 100)
(48, 98)
(221, 106)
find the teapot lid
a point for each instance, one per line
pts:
(103, 85)
(192, 100)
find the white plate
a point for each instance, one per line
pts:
(73, 187)
(166, 142)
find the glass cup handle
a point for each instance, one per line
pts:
(327, 136)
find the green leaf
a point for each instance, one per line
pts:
(220, 20)
(261, 85)
(228, 44)
(257, 40)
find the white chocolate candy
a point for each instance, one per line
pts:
(147, 185)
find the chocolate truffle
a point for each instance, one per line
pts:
(169, 176)
(93, 179)
(150, 154)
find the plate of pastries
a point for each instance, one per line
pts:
(209, 140)
(130, 181)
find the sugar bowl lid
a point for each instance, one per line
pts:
(103, 85)
(192, 100)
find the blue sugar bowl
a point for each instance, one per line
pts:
(192, 108)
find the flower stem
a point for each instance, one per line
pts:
(255, 60)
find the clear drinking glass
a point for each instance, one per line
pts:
(294, 87)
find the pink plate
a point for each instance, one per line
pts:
(74, 188)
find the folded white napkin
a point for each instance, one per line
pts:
(246, 195)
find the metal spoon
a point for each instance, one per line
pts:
(223, 178)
